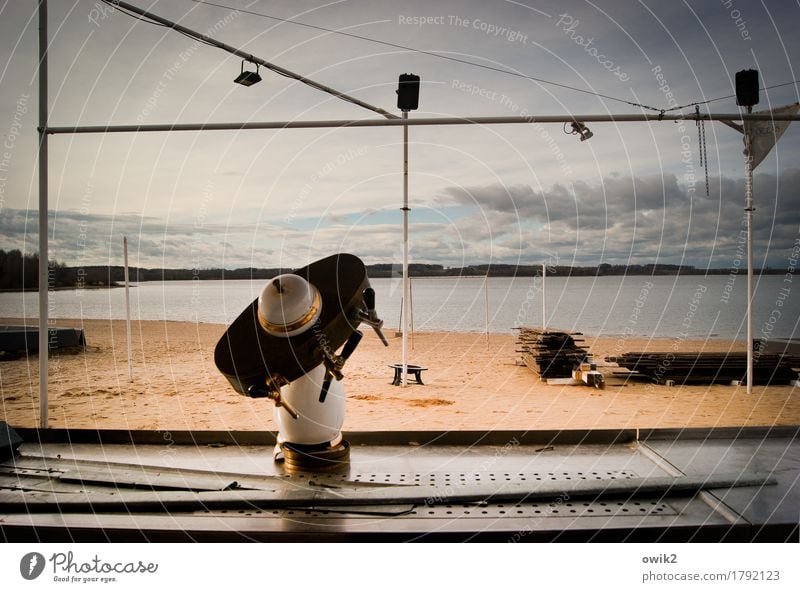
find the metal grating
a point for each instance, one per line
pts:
(30, 477)
(456, 479)
(605, 509)
(546, 510)
(555, 509)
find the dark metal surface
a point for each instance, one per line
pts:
(758, 505)
(441, 471)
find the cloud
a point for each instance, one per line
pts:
(501, 193)
(637, 219)
(79, 238)
(617, 220)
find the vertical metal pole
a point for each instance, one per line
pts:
(544, 304)
(127, 308)
(486, 302)
(405, 250)
(411, 311)
(43, 254)
(748, 208)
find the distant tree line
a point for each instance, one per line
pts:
(20, 271)
(507, 270)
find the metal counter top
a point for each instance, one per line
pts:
(447, 467)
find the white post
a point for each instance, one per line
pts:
(127, 308)
(405, 250)
(411, 310)
(748, 208)
(486, 302)
(544, 304)
(43, 252)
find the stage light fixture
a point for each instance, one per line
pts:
(283, 347)
(580, 129)
(247, 77)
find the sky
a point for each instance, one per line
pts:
(633, 193)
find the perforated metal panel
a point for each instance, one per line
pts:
(546, 510)
(459, 511)
(455, 479)
(450, 482)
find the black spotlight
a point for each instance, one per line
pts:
(246, 77)
(747, 88)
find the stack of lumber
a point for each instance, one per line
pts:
(709, 367)
(550, 353)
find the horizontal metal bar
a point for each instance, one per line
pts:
(422, 121)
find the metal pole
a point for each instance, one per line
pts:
(405, 250)
(544, 304)
(253, 59)
(422, 121)
(748, 208)
(43, 253)
(411, 311)
(486, 302)
(127, 308)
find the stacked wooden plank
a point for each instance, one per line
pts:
(709, 367)
(550, 353)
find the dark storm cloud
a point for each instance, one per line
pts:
(637, 218)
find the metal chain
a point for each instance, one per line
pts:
(701, 138)
(704, 150)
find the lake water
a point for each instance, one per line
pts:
(665, 306)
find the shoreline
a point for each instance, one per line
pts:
(61, 289)
(468, 386)
(33, 322)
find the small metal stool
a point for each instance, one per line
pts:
(410, 369)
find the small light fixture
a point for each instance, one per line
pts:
(247, 77)
(580, 129)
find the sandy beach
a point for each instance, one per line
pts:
(471, 384)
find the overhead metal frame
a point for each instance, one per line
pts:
(420, 121)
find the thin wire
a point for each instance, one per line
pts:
(201, 40)
(470, 63)
(727, 96)
(433, 54)
(152, 22)
(443, 57)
